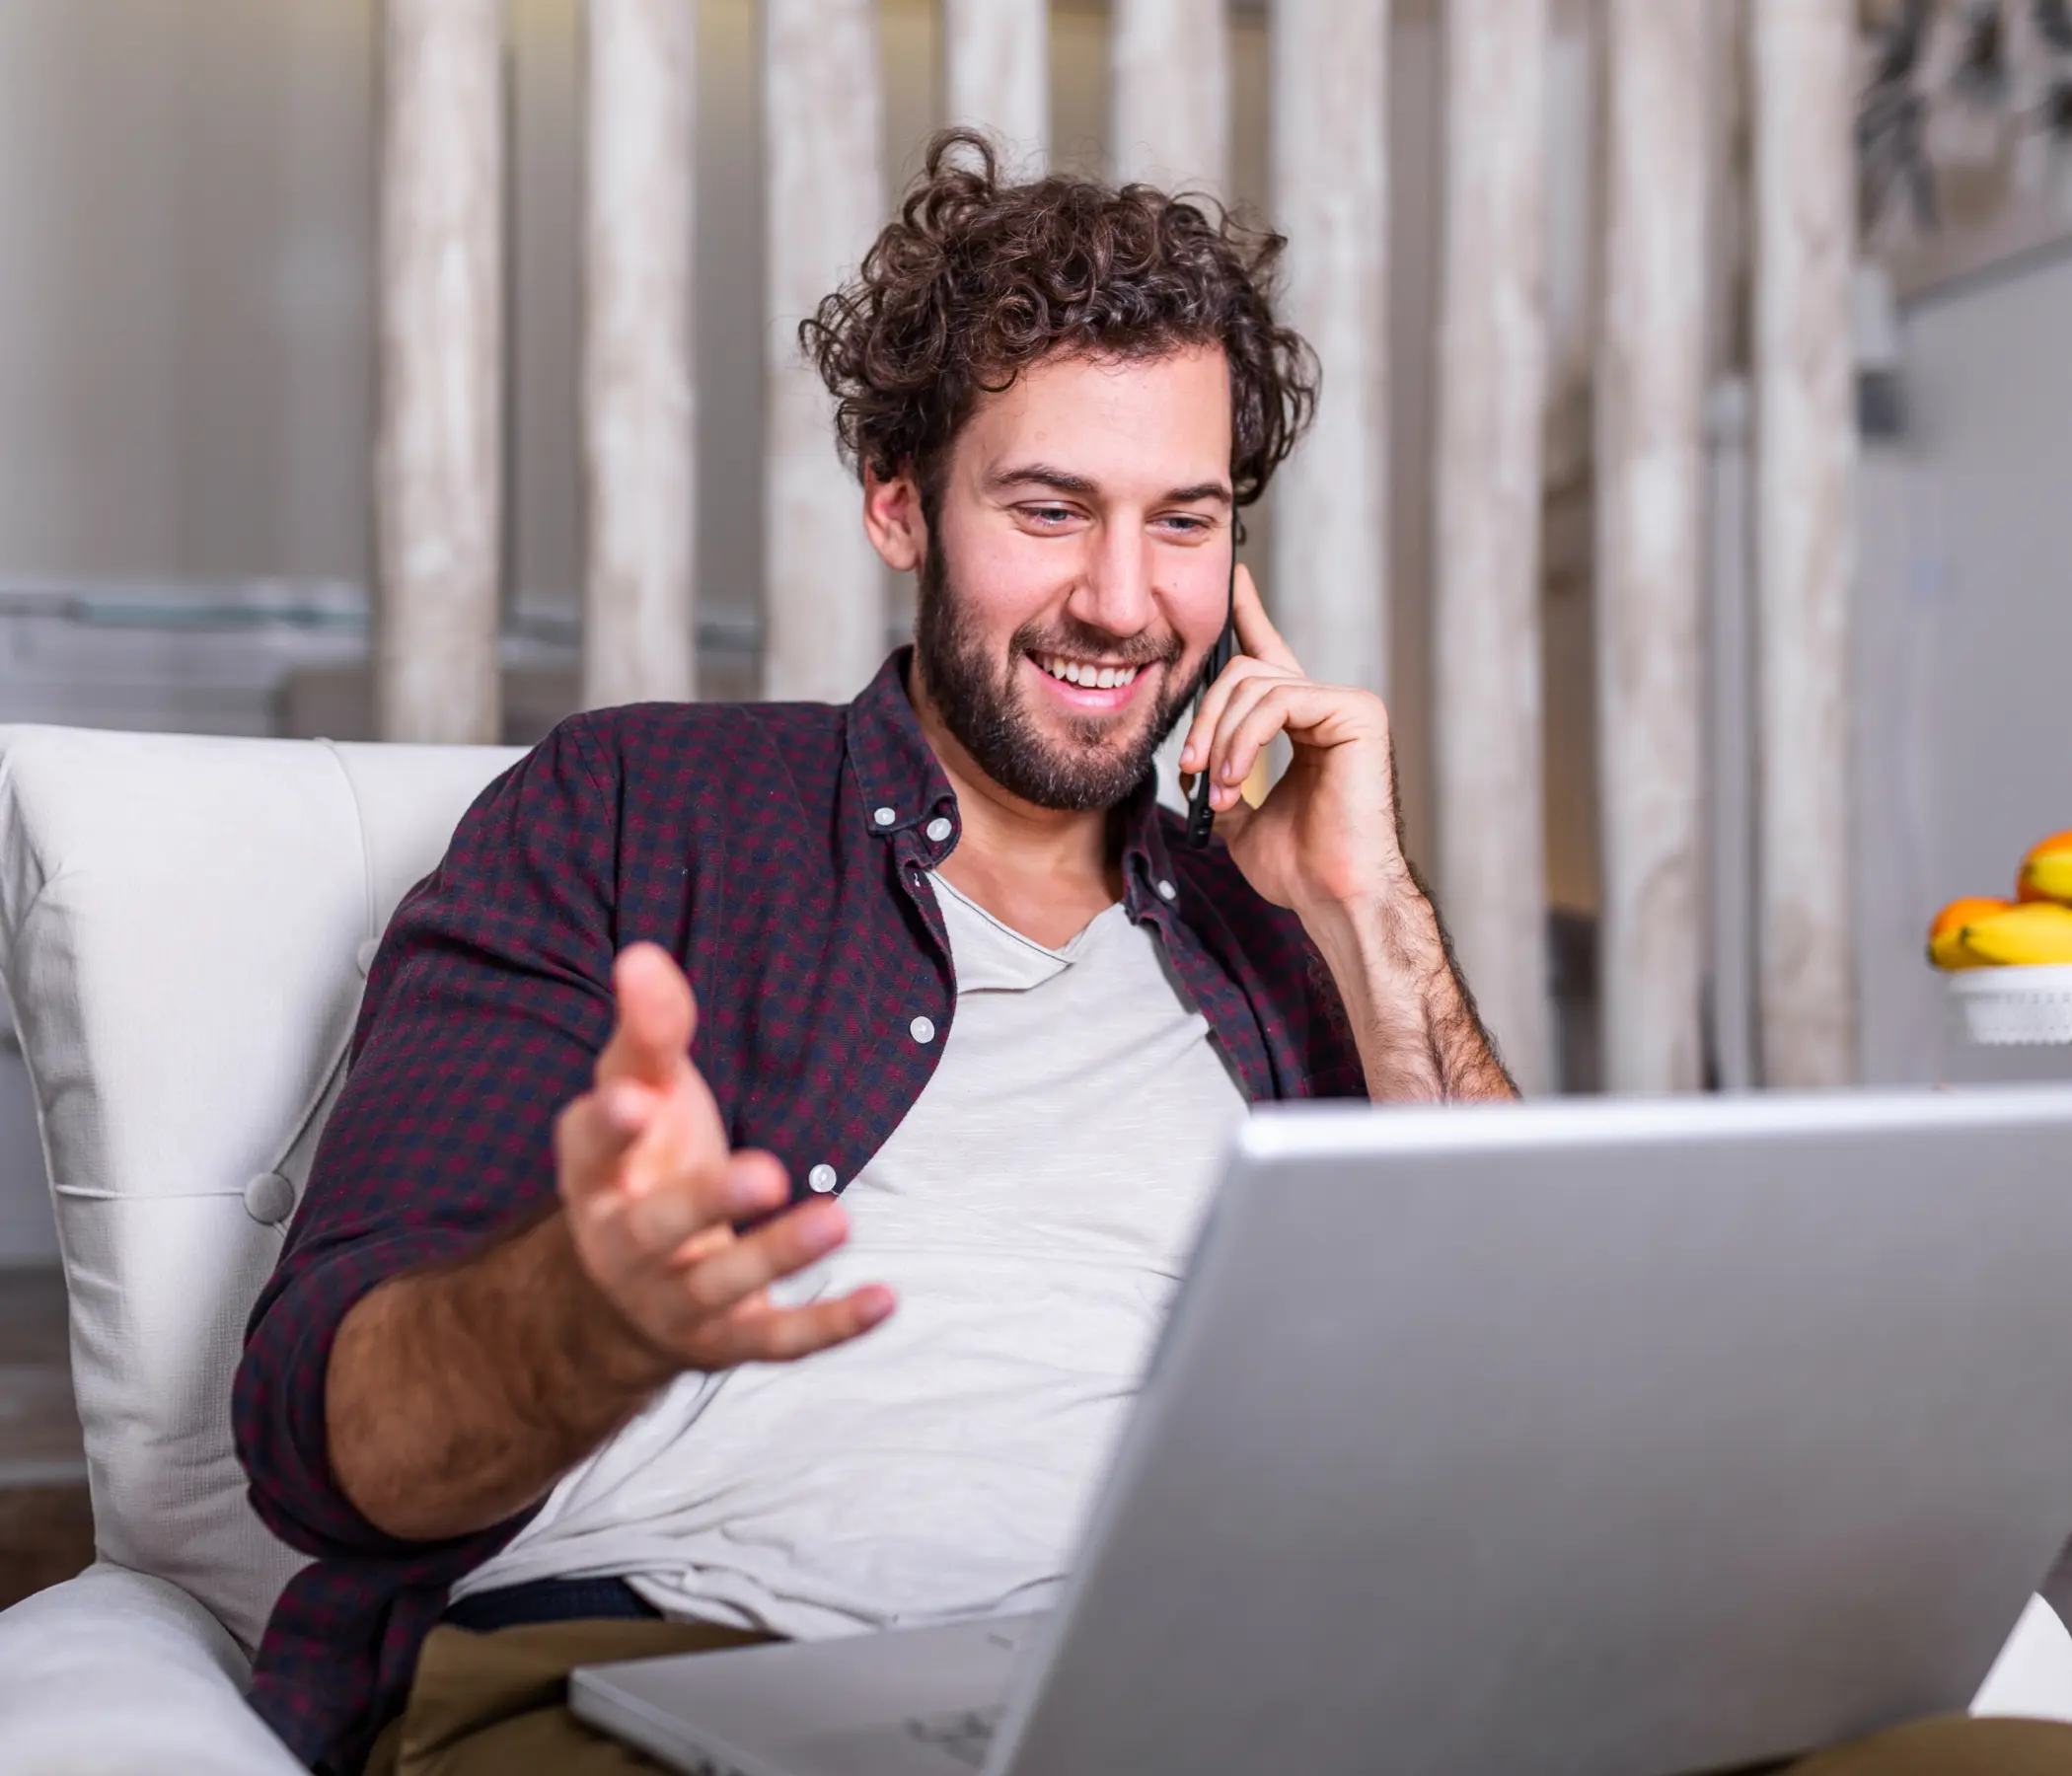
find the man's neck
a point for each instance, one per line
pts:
(1046, 872)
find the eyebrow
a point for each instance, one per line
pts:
(1063, 481)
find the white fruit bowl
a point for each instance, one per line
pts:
(2012, 1007)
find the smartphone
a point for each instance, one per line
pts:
(1201, 818)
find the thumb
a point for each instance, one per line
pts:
(1256, 634)
(657, 1017)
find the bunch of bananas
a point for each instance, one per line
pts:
(2035, 926)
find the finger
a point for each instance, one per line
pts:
(680, 1144)
(657, 1016)
(755, 1185)
(781, 1247)
(1194, 752)
(591, 1136)
(1256, 633)
(1311, 716)
(1252, 716)
(682, 1213)
(783, 1334)
(646, 1207)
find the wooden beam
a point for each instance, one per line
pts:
(824, 587)
(439, 458)
(1488, 746)
(1650, 450)
(638, 396)
(1804, 535)
(1170, 94)
(1330, 127)
(996, 68)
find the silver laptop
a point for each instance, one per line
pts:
(1619, 1438)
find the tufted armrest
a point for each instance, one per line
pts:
(116, 1672)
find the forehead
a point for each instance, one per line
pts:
(1162, 422)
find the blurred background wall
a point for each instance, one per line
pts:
(188, 364)
(187, 330)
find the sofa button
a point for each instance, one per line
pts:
(269, 1199)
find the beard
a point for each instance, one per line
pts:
(983, 703)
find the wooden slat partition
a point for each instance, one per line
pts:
(438, 454)
(822, 106)
(1170, 93)
(1804, 89)
(1488, 747)
(1330, 124)
(1650, 408)
(996, 73)
(639, 474)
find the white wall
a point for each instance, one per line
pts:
(1965, 622)
(184, 220)
(185, 327)
(186, 216)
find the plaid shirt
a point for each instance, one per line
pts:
(777, 851)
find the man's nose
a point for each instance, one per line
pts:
(1115, 593)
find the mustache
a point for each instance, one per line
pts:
(1083, 642)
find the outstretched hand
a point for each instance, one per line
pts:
(652, 1193)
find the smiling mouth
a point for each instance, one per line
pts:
(1089, 675)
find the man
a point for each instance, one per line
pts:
(688, 975)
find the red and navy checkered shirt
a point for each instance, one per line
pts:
(777, 851)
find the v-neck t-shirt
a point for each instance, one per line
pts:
(1033, 1212)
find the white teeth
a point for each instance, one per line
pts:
(1087, 677)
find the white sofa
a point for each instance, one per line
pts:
(185, 924)
(183, 927)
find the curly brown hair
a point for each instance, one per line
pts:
(978, 279)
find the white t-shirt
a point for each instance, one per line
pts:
(1032, 1211)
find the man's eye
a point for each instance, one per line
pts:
(1048, 514)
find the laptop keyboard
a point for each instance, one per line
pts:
(963, 1735)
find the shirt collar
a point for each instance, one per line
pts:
(903, 785)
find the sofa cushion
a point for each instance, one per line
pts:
(185, 924)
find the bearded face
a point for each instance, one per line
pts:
(1072, 552)
(1048, 752)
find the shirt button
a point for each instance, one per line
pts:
(885, 816)
(923, 1029)
(822, 1179)
(939, 829)
(1166, 890)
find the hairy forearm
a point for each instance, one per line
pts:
(458, 1395)
(1413, 1017)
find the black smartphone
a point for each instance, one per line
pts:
(1201, 818)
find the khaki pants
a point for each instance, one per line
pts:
(489, 1704)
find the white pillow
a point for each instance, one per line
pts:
(185, 924)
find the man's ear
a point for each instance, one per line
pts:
(892, 520)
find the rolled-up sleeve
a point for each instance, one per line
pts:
(485, 1009)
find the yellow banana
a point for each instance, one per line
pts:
(2048, 876)
(1946, 950)
(1945, 936)
(2038, 931)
